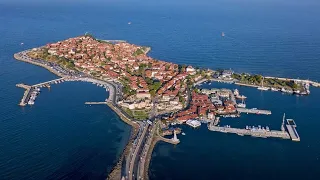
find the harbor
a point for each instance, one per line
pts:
(31, 92)
(288, 130)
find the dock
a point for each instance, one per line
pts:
(250, 132)
(291, 127)
(49, 82)
(26, 94)
(253, 111)
(289, 132)
(95, 103)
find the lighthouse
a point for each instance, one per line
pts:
(175, 139)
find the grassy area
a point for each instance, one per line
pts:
(137, 114)
(257, 80)
(44, 55)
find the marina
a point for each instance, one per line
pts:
(289, 132)
(31, 92)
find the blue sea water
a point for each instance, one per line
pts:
(61, 138)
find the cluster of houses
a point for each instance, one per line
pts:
(129, 61)
(206, 105)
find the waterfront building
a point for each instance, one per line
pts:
(193, 123)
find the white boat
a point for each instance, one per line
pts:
(183, 133)
(274, 89)
(263, 88)
(236, 92)
(297, 92)
(286, 91)
(242, 104)
(241, 97)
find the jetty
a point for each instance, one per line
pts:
(59, 80)
(291, 127)
(90, 103)
(253, 111)
(250, 132)
(287, 131)
(26, 95)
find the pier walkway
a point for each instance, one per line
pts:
(26, 94)
(253, 111)
(291, 127)
(171, 141)
(250, 132)
(48, 82)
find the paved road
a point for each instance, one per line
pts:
(136, 151)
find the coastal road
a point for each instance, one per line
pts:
(135, 152)
(143, 156)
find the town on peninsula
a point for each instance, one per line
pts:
(155, 96)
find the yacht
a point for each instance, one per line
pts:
(236, 92)
(263, 88)
(267, 128)
(274, 89)
(286, 91)
(242, 104)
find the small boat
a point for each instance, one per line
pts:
(263, 88)
(129, 23)
(236, 92)
(22, 44)
(183, 133)
(274, 89)
(222, 34)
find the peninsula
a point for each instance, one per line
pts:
(153, 95)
